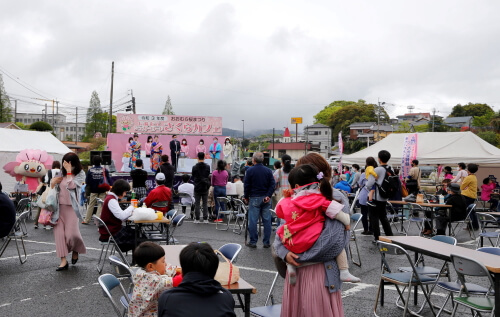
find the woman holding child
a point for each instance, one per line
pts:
(321, 266)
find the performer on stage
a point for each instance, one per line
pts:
(215, 149)
(156, 152)
(201, 147)
(148, 146)
(135, 150)
(185, 148)
(175, 148)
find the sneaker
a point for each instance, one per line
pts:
(196, 221)
(205, 221)
(36, 226)
(371, 203)
(48, 228)
(218, 220)
(367, 233)
(84, 223)
(267, 246)
(251, 245)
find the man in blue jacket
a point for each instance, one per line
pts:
(259, 187)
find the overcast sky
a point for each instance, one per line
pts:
(261, 61)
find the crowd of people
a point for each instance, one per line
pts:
(311, 199)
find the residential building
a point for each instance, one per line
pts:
(414, 116)
(380, 132)
(9, 125)
(359, 129)
(295, 149)
(320, 138)
(458, 122)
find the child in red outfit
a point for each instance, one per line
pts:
(304, 209)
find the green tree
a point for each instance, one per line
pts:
(490, 137)
(22, 125)
(343, 118)
(41, 126)
(484, 120)
(325, 115)
(471, 109)
(354, 146)
(168, 110)
(5, 106)
(95, 122)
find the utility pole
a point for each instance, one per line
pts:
(433, 118)
(76, 126)
(45, 113)
(133, 101)
(273, 142)
(378, 118)
(111, 98)
(15, 110)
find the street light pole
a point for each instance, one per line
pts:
(243, 138)
(378, 118)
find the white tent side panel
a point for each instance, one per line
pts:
(434, 148)
(14, 141)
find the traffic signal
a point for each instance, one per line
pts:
(129, 108)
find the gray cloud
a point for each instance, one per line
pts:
(260, 61)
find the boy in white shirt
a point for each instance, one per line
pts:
(187, 188)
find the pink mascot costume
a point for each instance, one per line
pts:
(29, 167)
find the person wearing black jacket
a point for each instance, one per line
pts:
(458, 211)
(198, 294)
(7, 214)
(200, 176)
(175, 148)
(96, 176)
(139, 178)
(169, 171)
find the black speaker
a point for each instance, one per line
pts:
(266, 158)
(105, 156)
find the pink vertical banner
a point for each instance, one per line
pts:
(409, 154)
(341, 150)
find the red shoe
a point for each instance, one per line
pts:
(218, 220)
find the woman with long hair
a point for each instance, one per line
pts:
(156, 151)
(227, 149)
(135, 150)
(148, 146)
(67, 216)
(219, 182)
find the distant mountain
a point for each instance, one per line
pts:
(248, 134)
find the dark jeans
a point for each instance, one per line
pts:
(473, 216)
(198, 198)
(379, 213)
(365, 219)
(219, 191)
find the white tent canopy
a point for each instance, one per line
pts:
(14, 141)
(434, 148)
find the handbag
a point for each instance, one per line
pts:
(51, 202)
(104, 186)
(45, 217)
(227, 273)
(404, 191)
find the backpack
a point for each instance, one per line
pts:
(390, 184)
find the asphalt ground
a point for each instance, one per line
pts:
(36, 289)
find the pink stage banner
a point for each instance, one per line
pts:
(409, 154)
(186, 125)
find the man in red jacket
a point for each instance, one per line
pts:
(160, 194)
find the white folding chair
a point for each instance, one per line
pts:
(273, 310)
(487, 221)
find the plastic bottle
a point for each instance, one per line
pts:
(441, 199)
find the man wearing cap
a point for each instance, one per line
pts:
(458, 211)
(160, 193)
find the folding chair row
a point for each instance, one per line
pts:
(105, 247)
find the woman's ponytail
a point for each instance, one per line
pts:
(325, 188)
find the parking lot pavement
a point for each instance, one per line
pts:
(36, 289)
